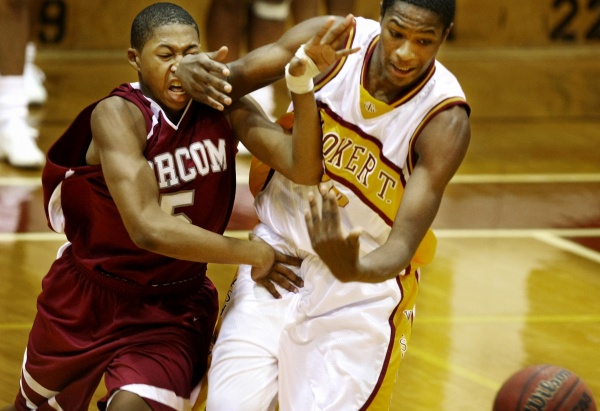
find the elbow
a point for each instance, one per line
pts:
(145, 238)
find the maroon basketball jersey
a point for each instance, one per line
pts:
(194, 165)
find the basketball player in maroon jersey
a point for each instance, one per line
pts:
(142, 183)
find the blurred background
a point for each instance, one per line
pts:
(517, 274)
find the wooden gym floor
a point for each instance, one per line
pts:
(515, 282)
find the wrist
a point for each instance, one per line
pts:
(303, 83)
(264, 256)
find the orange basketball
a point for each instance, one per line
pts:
(544, 388)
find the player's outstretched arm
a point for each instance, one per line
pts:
(119, 137)
(206, 81)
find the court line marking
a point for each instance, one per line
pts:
(514, 232)
(547, 235)
(20, 181)
(14, 237)
(452, 368)
(16, 326)
(508, 319)
(525, 178)
(568, 246)
(242, 178)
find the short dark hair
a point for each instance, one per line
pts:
(443, 8)
(157, 15)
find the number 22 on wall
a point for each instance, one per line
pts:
(567, 27)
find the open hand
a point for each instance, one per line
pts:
(339, 253)
(326, 47)
(203, 78)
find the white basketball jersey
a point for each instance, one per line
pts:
(367, 146)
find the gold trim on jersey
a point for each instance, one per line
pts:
(370, 107)
(401, 323)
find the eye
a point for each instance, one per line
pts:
(395, 34)
(194, 50)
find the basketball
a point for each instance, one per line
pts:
(544, 387)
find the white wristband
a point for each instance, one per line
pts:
(304, 83)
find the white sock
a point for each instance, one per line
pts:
(30, 52)
(13, 101)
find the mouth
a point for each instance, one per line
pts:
(176, 88)
(401, 71)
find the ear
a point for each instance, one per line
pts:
(447, 32)
(134, 58)
(380, 11)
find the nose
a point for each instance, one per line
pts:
(405, 51)
(176, 62)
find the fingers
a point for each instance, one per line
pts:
(345, 52)
(338, 32)
(214, 59)
(220, 56)
(285, 278)
(354, 237)
(270, 288)
(318, 38)
(204, 79)
(329, 209)
(215, 100)
(312, 216)
(287, 259)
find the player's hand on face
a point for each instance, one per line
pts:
(279, 272)
(203, 77)
(339, 253)
(327, 46)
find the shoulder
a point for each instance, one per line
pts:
(448, 129)
(116, 121)
(116, 109)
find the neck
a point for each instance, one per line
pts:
(375, 82)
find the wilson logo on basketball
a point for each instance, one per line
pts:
(545, 391)
(544, 387)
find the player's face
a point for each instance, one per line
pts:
(410, 39)
(158, 61)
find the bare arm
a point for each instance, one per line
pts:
(441, 148)
(297, 155)
(298, 158)
(200, 76)
(119, 139)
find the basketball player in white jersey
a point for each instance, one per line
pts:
(395, 130)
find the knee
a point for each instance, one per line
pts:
(123, 401)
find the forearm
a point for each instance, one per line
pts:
(266, 64)
(172, 237)
(384, 263)
(307, 152)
